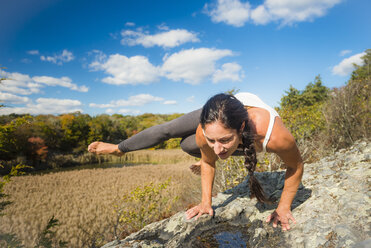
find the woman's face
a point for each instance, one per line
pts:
(222, 140)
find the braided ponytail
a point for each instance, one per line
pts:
(250, 162)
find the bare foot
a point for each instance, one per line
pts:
(196, 168)
(98, 147)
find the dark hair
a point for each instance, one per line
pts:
(231, 113)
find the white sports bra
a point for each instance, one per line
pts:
(252, 100)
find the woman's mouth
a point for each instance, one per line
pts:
(223, 155)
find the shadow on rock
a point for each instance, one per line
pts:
(272, 184)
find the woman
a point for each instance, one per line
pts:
(227, 125)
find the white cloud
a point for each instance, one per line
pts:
(63, 82)
(33, 52)
(345, 52)
(99, 56)
(286, 12)
(163, 26)
(26, 61)
(232, 12)
(190, 99)
(130, 24)
(166, 39)
(23, 84)
(170, 102)
(128, 111)
(346, 66)
(260, 15)
(228, 72)
(18, 83)
(28, 89)
(45, 106)
(192, 65)
(96, 105)
(291, 11)
(124, 70)
(137, 100)
(11, 98)
(65, 56)
(110, 111)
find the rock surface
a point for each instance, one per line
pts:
(332, 208)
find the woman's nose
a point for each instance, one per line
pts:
(218, 147)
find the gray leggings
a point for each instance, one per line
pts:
(183, 127)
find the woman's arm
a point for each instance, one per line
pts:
(208, 159)
(283, 144)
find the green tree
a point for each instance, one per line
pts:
(75, 128)
(106, 128)
(363, 72)
(291, 99)
(129, 124)
(13, 138)
(48, 127)
(312, 94)
(301, 111)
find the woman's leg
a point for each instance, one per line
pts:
(181, 127)
(188, 144)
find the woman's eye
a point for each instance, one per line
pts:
(225, 140)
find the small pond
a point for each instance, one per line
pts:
(242, 236)
(223, 237)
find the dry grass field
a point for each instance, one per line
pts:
(84, 200)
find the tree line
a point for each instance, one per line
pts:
(36, 136)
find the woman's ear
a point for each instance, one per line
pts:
(242, 127)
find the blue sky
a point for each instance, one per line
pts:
(165, 56)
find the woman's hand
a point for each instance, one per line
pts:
(98, 147)
(199, 210)
(282, 215)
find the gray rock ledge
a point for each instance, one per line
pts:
(332, 209)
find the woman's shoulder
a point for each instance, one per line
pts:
(281, 139)
(259, 118)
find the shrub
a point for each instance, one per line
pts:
(142, 206)
(348, 113)
(47, 238)
(304, 122)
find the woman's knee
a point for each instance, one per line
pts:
(190, 147)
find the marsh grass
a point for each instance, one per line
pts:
(84, 200)
(168, 156)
